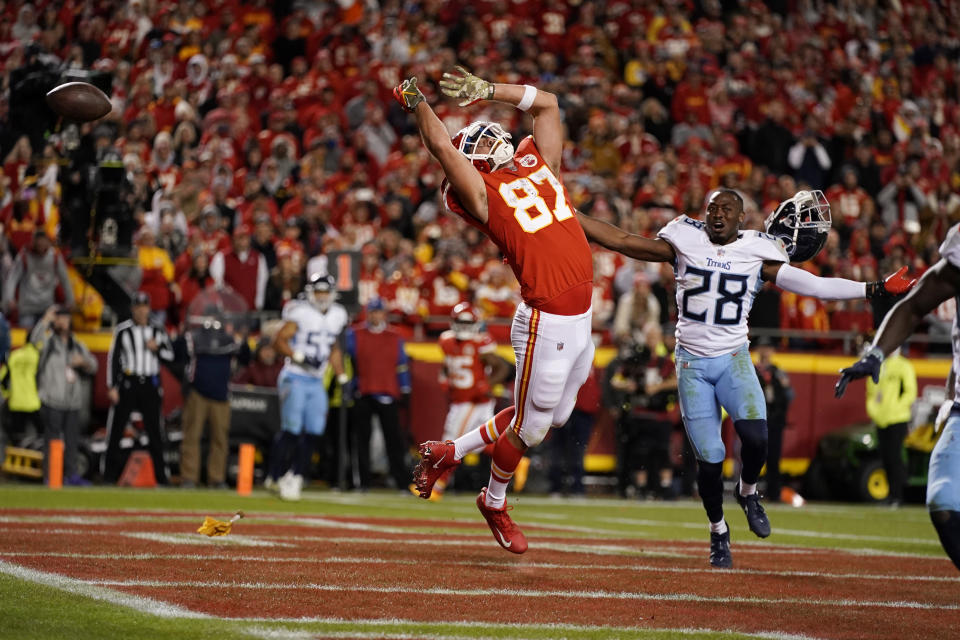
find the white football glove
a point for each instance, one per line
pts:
(466, 86)
(942, 415)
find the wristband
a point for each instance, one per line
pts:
(298, 357)
(343, 379)
(529, 95)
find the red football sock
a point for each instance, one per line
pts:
(506, 457)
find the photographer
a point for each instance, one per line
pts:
(641, 391)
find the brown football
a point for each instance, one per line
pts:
(79, 101)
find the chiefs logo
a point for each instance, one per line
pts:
(528, 161)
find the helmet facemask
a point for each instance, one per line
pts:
(469, 140)
(320, 292)
(802, 224)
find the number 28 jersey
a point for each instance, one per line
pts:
(534, 226)
(316, 333)
(716, 284)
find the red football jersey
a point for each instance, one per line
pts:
(466, 375)
(534, 226)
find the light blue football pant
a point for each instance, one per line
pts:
(303, 404)
(943, 478)
(704, 385)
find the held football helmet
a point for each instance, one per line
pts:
(802, 223)
(500, 152)
(320, 291)
(464, 321)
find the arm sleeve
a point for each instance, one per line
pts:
(263, 275)
(13, 279)
(403, 369)
(64, 278)
(216, 268)
(806, 284)
(795, 155)
(90, 361)
(822, 157)
(113, 361)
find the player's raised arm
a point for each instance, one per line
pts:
(939, 283)
(461, 174)
(629, 244)
(805, 283)
(542, 105)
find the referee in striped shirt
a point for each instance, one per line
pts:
(133, 383)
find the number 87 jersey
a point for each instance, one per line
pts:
(716, 284)
(532, 222)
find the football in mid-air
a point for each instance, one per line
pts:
(79, 101)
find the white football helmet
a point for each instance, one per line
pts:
(320, 291)
(802, 223)
(464, 321)
(501, 149)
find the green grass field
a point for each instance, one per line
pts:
(40, 607)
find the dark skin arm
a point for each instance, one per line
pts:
(939, 283)
(499, 369)
(629, 244)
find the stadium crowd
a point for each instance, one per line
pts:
(257, 137)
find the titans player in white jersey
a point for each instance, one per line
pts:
(939, 283)
(309, 338)
(719, 269)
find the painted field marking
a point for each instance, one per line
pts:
(559, 627)
(194, 538)
(787, 532)
(85, 588)
(681, 550)
(564, 566)
(523, 593)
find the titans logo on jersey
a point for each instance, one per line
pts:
(716, 284)
(316, 333)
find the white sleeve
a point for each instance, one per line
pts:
(795, 155)
(216, 268)
(950, 248)
(805, 283)
(263, 276)
(822, 156)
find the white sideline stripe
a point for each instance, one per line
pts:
(525, 593)
(595, 568)
(787, 532)
(196, 538)
(85, 588)
(424, 627)
(743, 546)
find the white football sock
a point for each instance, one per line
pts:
(496, 493)
(718, 527)
(747, 489)
(469, 442)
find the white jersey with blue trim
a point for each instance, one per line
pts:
(950, 251)
(716, 284)
(317, 332)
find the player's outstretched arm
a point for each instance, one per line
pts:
(542, 105)
(939, 283)
(629, 244)
(805, 283)
(460, 172)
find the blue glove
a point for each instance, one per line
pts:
(867, 365)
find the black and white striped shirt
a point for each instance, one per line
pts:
(129, 355)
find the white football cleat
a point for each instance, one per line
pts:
(290, 486)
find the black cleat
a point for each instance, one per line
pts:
(756, 516)
(720, 550)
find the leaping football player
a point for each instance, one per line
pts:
(719, 268)
(470, 369)
(309, 338)
(515, 196)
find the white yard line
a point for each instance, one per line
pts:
(524, 593)
(368, 560)
(98, 592)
